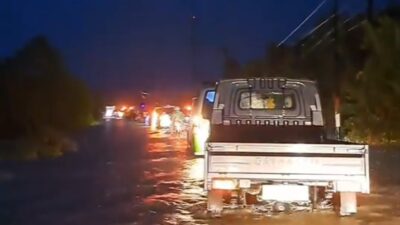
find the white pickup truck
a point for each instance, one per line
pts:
(267, 151)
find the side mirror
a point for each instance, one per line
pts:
(316, 116)
(217, 114)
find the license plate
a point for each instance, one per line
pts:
(285, 193)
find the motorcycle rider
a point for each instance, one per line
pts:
(177, 118)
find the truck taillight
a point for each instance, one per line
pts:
(154, 120)
(224, 184)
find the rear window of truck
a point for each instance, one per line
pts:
(262, 100)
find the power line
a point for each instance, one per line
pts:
(357, 25)
(303, 22)
(331, 30)
(326, 35)
(319, 25)
(344, 9)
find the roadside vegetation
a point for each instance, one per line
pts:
(41, 103)
(357, 67)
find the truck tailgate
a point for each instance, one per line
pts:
(289, 161)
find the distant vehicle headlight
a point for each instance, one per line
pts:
(165, 120)
(120, 114)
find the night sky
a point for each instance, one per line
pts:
(122, 46)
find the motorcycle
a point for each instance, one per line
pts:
(180, 128)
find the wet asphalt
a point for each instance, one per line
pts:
(124, 174)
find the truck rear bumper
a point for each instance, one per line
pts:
(339, 182)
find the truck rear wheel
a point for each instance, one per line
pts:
(348, 203)
(215, 202)
(281, 207)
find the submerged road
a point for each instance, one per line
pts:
(122, 174)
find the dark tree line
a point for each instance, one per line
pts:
(356, 67)
(39, 98)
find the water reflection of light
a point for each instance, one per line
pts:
(196, 169)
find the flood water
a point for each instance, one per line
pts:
(123, 174)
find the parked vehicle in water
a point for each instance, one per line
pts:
(267, 149)
(161, 118)
(109, 112)
(198, 131)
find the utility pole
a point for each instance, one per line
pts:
(370, 10)
(193, 21)
(336, 75)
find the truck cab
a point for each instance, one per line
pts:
(267, 149)
(200, 121)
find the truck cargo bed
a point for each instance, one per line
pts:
(270, 134)
(290, 162)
